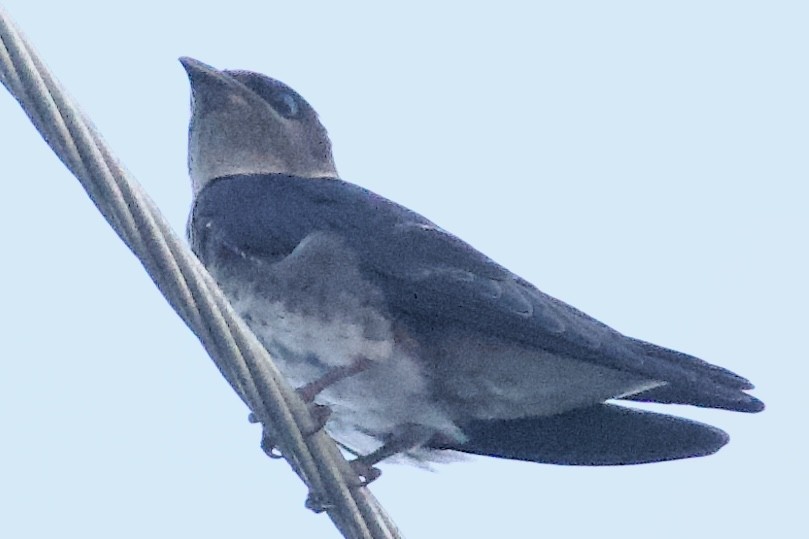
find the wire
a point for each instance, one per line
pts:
(191, 292)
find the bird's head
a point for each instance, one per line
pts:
(247, 123)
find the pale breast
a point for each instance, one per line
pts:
(314, 311)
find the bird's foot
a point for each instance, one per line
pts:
(407, 437)
(367, 473)
(317, 503)
(267, 443)
(269, 446)
(320, 416)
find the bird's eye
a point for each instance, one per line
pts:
(286, 105)
(278, 95)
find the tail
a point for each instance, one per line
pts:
(602, 435)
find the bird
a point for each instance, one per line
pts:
(419, 345)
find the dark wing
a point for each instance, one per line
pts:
(441, 280)
(437, 280)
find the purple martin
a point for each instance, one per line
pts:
(416, 342)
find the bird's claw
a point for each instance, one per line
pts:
(320, 416)
(269, 446)
(317, 503)
(367, 473)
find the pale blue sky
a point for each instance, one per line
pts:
(643, 161)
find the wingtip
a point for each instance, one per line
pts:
(713, 397)
(755, 405)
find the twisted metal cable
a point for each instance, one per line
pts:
(190, 290)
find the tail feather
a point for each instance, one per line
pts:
(601, 435)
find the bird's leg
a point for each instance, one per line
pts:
(320, 414)
(407, 438)
(309, 391)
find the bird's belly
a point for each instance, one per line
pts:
(391, 394)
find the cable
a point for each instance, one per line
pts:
(191, 292)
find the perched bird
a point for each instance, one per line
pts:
(415, 341)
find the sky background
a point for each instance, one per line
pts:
(642, 161)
